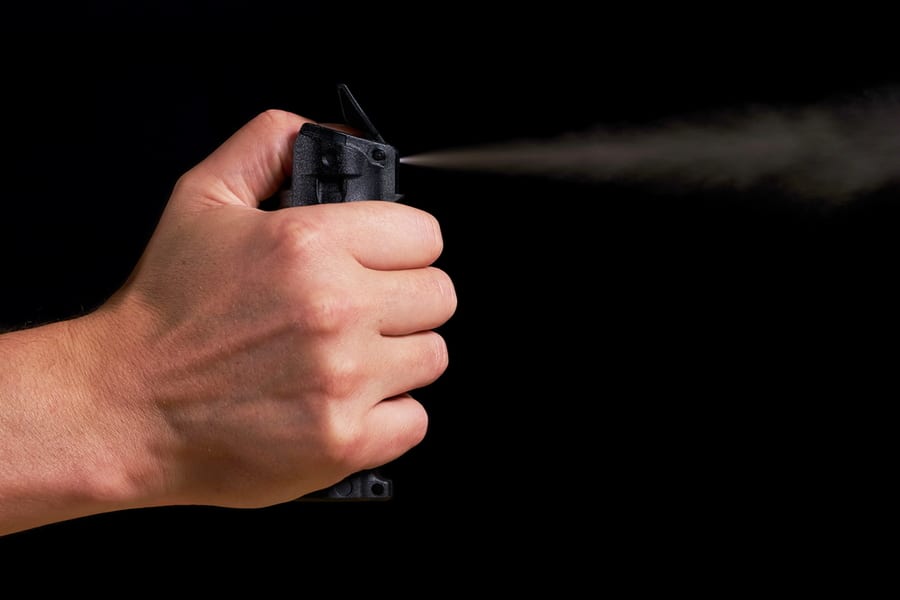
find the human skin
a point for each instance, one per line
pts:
(252, 356)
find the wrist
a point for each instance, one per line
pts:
(75, 441)
(111, 346)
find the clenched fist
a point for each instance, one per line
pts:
(252, 357)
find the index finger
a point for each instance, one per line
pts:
(381, 235)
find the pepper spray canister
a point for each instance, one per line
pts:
(335, 166)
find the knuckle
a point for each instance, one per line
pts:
(315, 300)
(296, 239)
(340, 441)
(275, 118)
(339, 375)
(324, 310)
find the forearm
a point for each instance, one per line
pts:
(65, 451)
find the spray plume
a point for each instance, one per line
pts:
(831, 151)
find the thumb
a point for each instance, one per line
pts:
(249, 166)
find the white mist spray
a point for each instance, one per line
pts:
(835, 151)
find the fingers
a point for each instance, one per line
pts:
(380, 235)
(407, 363)
(392, 427)
(413, 300)
(251, 165)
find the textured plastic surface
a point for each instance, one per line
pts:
(333, 166)
(365, 485)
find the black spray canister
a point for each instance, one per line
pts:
(334, 166)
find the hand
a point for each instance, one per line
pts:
(256, 356)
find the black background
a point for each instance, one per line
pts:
(646, 386)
